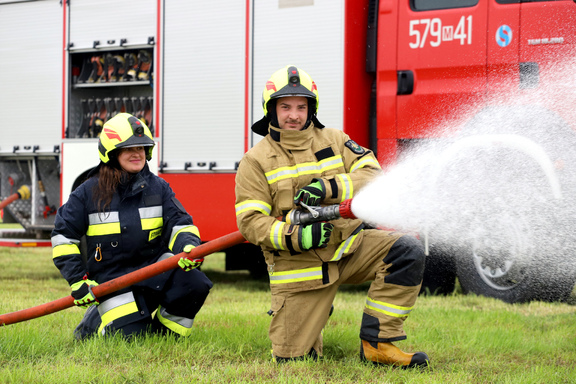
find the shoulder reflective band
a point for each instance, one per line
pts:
(61, 246)
(346, 186)
(296, 275)
(151, 217)
(388, 309)
(344, 247)
(182, 229)
(180, 325)
(276, 234)
(363, 162)
(304, 169)
(253, 205)
(103, 224)
(115, 308)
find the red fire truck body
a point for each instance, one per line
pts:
(390, 73)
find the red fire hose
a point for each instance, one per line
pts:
(23, 193)
(126, 280)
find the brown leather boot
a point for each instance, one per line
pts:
(389, 354)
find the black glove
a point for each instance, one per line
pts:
(315, 235)
(82, 294)
(312, 194)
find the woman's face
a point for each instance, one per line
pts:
(132, 160)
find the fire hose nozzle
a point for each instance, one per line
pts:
(317, 214)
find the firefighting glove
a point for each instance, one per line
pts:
(187, 264)
(82, 293)
(312, 194)
(315, 235)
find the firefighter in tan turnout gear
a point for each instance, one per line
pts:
(299, 163)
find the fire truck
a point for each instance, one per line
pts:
(389, 73)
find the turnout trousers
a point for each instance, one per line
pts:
(151, 306)
(299, 317)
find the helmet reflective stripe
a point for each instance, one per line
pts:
(289, 81)
(124, 131)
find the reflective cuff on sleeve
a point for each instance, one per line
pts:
(345, 186)
(253, 205)
(277, 235)
(182, 229)
(364, 162)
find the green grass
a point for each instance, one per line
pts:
(470, 339)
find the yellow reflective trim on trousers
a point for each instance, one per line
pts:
(116, 313)
(180, 325)
(253, 205)
(346, 186)
(65, 249)
(387, 308)
(103, 229)
(298, 170)
(188, 228)
(276, 235)
(295, 276)
(344, 247)
(153, 223)
(363, 162)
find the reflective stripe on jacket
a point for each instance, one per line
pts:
(268, 178)
(144, 220)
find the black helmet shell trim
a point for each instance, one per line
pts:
(124, 131)
(288, 81)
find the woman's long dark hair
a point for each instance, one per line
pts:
(109, 178)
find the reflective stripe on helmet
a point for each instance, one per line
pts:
(289, 81)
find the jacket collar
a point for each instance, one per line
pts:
(292, 140)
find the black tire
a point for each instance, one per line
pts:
(439, 273)
(521, 247)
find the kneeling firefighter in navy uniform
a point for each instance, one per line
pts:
(131, 219)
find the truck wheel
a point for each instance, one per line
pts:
(520, 247)
(439, 273)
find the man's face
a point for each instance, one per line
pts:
(292, 112)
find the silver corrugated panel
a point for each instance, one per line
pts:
(204, 84)
(31, 74)
(109, 21)
(308, 34)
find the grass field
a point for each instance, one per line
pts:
(470, 339)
